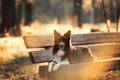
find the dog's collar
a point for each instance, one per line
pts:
(54, 62)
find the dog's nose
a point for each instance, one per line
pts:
(61, 45)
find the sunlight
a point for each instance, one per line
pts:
(41, 17)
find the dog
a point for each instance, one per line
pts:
(64, 53)
(60, 51)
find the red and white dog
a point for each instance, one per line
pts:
(61, 50)
(64, 53)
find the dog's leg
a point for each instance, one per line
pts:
(51, 64)
(65, 62)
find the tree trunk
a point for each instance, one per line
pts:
(28, 14)
(77, 12)
(9, 20)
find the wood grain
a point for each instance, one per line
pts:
(38, 41)
(77, 39)
(40, 56)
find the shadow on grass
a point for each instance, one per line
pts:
(20, 68)
(15, 64)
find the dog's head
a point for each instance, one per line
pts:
(61, 42)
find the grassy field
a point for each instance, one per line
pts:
(15, 63)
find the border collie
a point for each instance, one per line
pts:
(64, 53)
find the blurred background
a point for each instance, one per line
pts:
(16, 16)
(19, 18)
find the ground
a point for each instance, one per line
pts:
(15, 63)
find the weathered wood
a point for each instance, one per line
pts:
(105, 49)
(81, 71)
(94, 38)
(41, 56)
(38, 41)
(77, 39)
(102, 51)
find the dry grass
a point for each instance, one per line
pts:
(14, 60)
(11, 47)
(37, 28)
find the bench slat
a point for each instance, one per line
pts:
(107, 50)
(77, 39)
(79, 71)
(40, 56)
(38, 41)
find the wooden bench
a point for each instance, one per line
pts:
(105, 46)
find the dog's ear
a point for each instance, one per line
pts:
(56, 36)
(68, 34)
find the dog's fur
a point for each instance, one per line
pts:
(64, 53)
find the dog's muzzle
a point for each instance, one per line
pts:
(62, 45)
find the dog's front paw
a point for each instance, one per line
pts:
(50, 66)
(55, 68)
(49, 69)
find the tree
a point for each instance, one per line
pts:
(28, 14)
(77, 12)
(9, 20)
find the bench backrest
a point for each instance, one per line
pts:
(101, 44)
(77, 39)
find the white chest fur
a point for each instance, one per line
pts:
(60, 53)
(56, 62)
(58, 56)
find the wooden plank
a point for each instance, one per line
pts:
(81, 71)
(43, 71)
(102, 51)
(94, 38)
(40, 56)
(77, 39)
(38, 41)
(105, 49)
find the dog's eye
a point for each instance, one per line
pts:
(63, 39)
